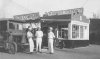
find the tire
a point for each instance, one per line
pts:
(12, 49)
(56, 43)
(61, 45)
(16, 49)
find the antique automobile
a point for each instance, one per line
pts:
(13, 35)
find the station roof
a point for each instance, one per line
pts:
(19, 21)
(66, 17)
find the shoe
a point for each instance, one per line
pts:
(29, 52)
(33, 52)
(40, 52)
(51, 53)
(36, 52)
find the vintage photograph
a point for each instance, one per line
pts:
(49, 29)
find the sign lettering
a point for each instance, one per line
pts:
(32, 16)
(62, 12)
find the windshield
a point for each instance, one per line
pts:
(3, 25)
(11, 26)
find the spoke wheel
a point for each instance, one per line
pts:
(11, 48)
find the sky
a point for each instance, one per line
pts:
(10, 8)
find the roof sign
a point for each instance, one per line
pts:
(34, 25)
(73, 12)
(31, 16)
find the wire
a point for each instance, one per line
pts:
(22, 7)
(85, 3)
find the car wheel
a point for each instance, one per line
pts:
(11, 48)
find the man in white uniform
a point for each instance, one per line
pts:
(39, 35)
(51, 37)
(30, 40)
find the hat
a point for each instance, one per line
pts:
(38, 28)
(50, 28)
(30, 28)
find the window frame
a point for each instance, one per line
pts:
(80, 31)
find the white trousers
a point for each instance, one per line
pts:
(31, 45)
(50, 45)
(38, 44)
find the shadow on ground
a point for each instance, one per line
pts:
(79, 51)
(3, 50)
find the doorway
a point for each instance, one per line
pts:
(45, 37)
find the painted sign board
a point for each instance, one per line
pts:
(31, 16)
(75, 11)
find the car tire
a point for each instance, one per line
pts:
(11, 49)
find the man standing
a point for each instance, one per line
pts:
(39, 35)
(30, 40)
(51, 37)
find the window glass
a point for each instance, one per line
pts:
(78, 31)
(20, 27)
(62, 31)
(60, 36)
(17, 26)
(11, 26)
(81, 31)
(3, 25)
(75, 31)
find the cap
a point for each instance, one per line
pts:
(38, 28)
(50, 28)
(30, 28)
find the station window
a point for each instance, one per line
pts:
(19, 27)
(78, 31)
(3, 25)
(81, 31)
(63, 31)
(75, 31)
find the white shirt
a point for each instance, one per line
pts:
(29, 34)
(51, 35)
(39, 34)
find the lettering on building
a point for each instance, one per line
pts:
(31, 16)
(73, 12)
